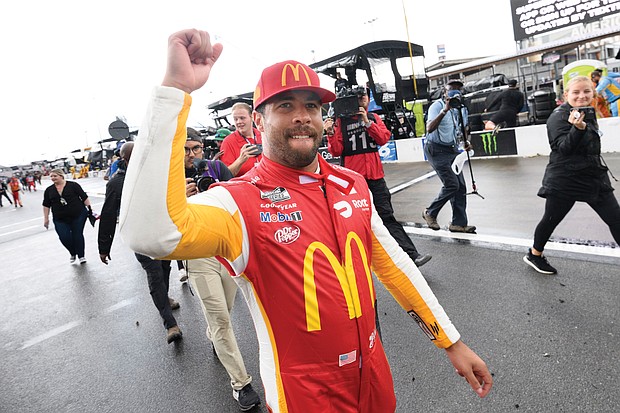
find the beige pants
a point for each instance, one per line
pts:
(216, 290)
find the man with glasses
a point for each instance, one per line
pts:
(215, 288)
(193, 150)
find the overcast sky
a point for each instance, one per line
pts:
(70, 67)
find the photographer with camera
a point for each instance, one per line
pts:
(576, 170)
(446, 134)
(359, 151)
(242, 149)
(212, 282)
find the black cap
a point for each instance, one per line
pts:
(193, 135)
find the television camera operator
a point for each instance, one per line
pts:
(355, 135)
(447, 133)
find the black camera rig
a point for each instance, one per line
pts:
(347, 101)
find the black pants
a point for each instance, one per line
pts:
(382, 199)
(606, 206)
(158, 277)
(3, 193)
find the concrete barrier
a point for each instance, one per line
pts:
(528, 141)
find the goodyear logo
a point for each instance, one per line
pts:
(295, 70)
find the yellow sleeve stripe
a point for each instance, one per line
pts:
(206, 230)
(413, 294)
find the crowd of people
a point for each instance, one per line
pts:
(265, 214)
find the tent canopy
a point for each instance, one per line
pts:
(358, 58)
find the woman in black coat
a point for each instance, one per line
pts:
(68, 202)
(575, 172)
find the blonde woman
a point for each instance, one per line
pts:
(68, 202)
(575, 172)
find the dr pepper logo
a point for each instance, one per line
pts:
(287, 235)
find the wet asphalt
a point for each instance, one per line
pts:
(87, 338)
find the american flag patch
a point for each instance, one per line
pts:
(347, 358)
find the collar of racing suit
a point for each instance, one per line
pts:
(329, 174)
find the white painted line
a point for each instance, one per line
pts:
(66, 327)
(119, 305)
(522, 242)
(21, 222)
(406, 185)
(50, 334)
(20, 230)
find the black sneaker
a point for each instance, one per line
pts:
(539, 263)
(422, 259)
(246, 397)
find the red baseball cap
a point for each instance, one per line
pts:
(289, 75)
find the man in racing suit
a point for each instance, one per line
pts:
(299, 236)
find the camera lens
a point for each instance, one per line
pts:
(204, 183)
(455, 102)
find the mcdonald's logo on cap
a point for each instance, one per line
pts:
(295, 71)
(289, 75)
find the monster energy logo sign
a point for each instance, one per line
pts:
(489, 143)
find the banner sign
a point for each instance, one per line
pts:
(387, 152)
(328, 156)
(487, 144)
(532, 17)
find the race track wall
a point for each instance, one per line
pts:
(521, 141)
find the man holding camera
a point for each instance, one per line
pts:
(446, 134)
(241, 150)
(212, 282)
(359, 151)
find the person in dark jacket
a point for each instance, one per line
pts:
(3, 192)
(68, 202)
(157, 271)
(575, 172)
(510, 102)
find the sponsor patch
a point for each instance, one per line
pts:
(372, 338)
(430, 331)
(279, 194)
(280, 216)
(344, 208)
(287, 235)
(347, 358)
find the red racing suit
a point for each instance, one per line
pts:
(302, 248)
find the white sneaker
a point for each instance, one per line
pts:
(72, 259)
(82, 260)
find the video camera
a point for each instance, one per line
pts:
(347, 101)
